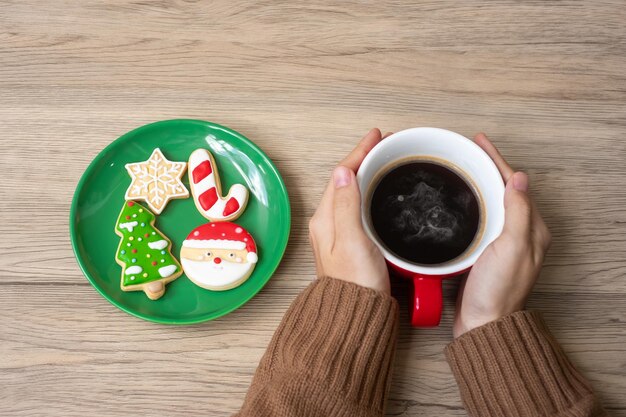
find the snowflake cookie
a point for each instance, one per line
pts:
(156, 181)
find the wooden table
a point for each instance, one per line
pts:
(546, 80)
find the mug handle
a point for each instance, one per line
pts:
(427, 301)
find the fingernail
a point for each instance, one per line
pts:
(341, 176)
(520, 181)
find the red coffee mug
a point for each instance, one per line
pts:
(465, 157)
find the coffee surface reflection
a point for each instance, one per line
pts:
(425, 212)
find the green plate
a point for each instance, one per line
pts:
(99, 198)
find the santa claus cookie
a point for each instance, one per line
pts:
(218, 256)
(144, 252)
(206, 188)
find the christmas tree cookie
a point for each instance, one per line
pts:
(144, 252)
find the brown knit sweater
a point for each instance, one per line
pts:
(333, 353)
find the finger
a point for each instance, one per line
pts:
(541, 233)
(316, 253)
(505, 169)
(321, 224)
(325, 208)
(517, 207)
(346, 205)
(460, 292)
(354, 159)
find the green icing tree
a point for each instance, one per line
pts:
(144, 252)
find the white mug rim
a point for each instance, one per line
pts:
(449, 268)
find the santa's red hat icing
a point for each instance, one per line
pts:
(222, 235)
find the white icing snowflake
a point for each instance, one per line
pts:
(156, 181)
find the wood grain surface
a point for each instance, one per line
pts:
(304, 80)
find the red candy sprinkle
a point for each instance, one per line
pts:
(134, 251)
(147, 235)
(154, 263)
(131, 203)
(127, 217)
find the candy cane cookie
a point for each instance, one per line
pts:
(205, 186)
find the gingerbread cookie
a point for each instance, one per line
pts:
(156, 181)
(219, 256)
(144, 252)
(207, 191)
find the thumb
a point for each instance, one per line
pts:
(517, 206)
(346, 204)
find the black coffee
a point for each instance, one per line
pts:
(424, 212)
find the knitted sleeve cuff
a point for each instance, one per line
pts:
(340, 338)
(515, 367)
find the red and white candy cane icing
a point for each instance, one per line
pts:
(206, 189)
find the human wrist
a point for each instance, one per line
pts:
(466, 325)
(468, 322)
(380, 285)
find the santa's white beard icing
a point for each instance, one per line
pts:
(218, 256)
(217, 277)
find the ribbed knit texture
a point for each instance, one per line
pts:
(515, 367)
(330, 356)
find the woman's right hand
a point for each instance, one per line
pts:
(503, 277)
(342, 249)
